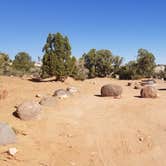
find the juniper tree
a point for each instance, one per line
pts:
(57, 59)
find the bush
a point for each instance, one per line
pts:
(22, 62)
(81, 71)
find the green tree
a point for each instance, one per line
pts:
(117, 62)
(4, 63)
(4, 58)
(101, 63)
(129, 71)
(22, 62)
(90, 62)
(104, 63)
(146, 63)
(57, 59)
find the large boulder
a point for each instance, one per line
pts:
(61, 93)
(111, 90)
(149, 92)
(7, 135)
(29, 110)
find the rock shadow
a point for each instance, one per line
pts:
(162, 89)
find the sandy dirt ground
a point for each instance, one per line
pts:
(86, 129)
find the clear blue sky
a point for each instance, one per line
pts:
(123, 26)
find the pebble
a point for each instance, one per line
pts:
(12, 151)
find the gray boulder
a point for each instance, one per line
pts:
(7, 135)
(61, 93)
(47, 101)
(111, 90)
(149, 92)
(29, 110)
(148, 82)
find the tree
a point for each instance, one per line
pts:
(146, 63)
(22, 62)
(81, 71)
(4, 63)
(101, 63)
(4, 58)
(90, 62)
(129, 71)
(104, 63)
(117, 62)
(57, 59)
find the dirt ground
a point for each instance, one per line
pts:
(86, 129)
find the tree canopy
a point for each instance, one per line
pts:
(145, 62)
(22, 62)
(57, 59)
(101, 63)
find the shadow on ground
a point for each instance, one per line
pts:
(162, 89)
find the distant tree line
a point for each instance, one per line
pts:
(58, 61)
(22, 64)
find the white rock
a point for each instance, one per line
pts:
(12, 151)
(72, 89)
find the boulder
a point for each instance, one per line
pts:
(148, 82)
(7, 135)
(149, 92)
(29, 110)
(111, 90)
(47, 101)
(61, 93)
(72, 90)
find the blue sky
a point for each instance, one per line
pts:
(123, 26)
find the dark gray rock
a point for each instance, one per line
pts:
(111, 90)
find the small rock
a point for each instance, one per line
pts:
(129, 84)
(72, 89)
(137, 86)
(140, 139)
(38, 95)
(61, 94)
(12, 151)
